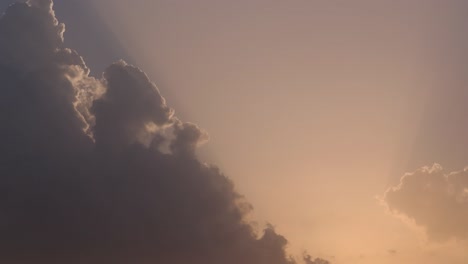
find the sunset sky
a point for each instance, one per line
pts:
(314, 109)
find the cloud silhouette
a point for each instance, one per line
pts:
(435, 200)
(101, 170)
(308, 260)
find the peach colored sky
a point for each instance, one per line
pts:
(314, 108)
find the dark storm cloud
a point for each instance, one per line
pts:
(435, 200)
(100, 170)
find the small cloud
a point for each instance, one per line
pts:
(434, 200)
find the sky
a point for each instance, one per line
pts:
(314, 109)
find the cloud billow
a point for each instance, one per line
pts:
(101, 170)
(434, 200)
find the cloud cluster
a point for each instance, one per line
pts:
(436, 201)
(308, 260)
(100, 170)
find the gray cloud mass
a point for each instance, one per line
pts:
(100, 170)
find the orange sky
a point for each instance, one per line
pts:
(314, 108)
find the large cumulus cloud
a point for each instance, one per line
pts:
(434, 200)
(101, 170)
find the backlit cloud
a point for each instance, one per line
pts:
(435, 200)
(101, 170)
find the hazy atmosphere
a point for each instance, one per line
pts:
(233, 132)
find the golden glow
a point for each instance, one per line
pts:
(314, 107)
